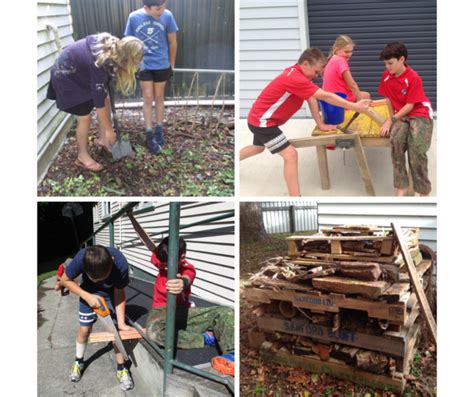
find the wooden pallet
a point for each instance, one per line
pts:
(394, 313)
(332, 242)
(395, 383)
(393, 343)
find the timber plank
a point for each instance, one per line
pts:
(334, 368)
(96, 337)
(343, 285)
(303, 327)
(394, 313)
(414, 277)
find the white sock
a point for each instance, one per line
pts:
(80, 349)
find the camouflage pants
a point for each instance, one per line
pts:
(412, 134)
(191, 323)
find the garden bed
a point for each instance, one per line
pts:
(197, 159)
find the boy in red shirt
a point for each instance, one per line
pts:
(410, 125)
(196, 326)
(280, 100)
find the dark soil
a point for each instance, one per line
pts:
(258, 378)
(197, 159)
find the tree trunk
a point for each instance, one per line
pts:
(251, 223)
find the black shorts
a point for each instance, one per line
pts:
(157, 76)
(271, 137)
(83, 109)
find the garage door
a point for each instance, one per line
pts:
(372, 24)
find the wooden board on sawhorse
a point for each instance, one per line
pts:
(321, 141)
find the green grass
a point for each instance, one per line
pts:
(43, 276)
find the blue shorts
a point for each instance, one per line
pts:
(87, 317)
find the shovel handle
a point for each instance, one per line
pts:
(103, 310)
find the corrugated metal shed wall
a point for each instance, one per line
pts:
(210, 246)
(272, 37)
(276, 216)
(372, 24)
(205, 37)
(421, 215)
(49, 118)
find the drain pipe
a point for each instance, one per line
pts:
(173, 253)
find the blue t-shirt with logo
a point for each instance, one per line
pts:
(154, 34)
(118, 277)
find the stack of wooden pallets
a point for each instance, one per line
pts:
(341, 303)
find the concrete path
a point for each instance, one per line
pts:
(262, 175)
(57, 328)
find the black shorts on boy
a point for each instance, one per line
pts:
(271, 137)
(157, 76)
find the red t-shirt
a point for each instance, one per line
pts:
(406, 88)
(333, 80)
(159, 294)
(281, 98)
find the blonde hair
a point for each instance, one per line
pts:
(341, 42)
(122, 55)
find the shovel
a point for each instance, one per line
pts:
(121, 148)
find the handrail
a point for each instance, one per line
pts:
(174, 228)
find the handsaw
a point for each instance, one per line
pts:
(103, 313)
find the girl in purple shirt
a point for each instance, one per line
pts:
(79, 83)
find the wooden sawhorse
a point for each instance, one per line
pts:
(321, 141)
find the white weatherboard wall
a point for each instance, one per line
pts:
(272, 36)
(52, 124)
(421, 215)
(210, 246)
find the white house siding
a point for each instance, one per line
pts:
(415, 214)
(51, 123)
(272, 36)
(210, 246)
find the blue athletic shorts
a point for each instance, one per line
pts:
(87, 317)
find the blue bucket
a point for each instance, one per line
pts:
(333, 114)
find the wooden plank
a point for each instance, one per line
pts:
(336, 247)
(379, 119)
(394, 313)
(292, 248)
(343, 285)
(303, 327)
(363, 166)
(395, 292)
(387, 247)
(96, 337)
(321, 237)
(376, 142)
(359, 270)
(334, 368)
(421, 269)
(322, 156)
(415, 279)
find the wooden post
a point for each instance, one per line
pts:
(415, 280)
(292, 214)
(363, 165)
(323, 167)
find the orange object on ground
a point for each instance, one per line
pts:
(223, 364)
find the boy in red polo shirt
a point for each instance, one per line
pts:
(280, 100)
(410, 125)
(196, 326)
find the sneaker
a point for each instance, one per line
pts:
(125, 379)
(159, 137)
(209, 338)
(151, 143)
(76, 372)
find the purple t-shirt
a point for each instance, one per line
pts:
(75, 77)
